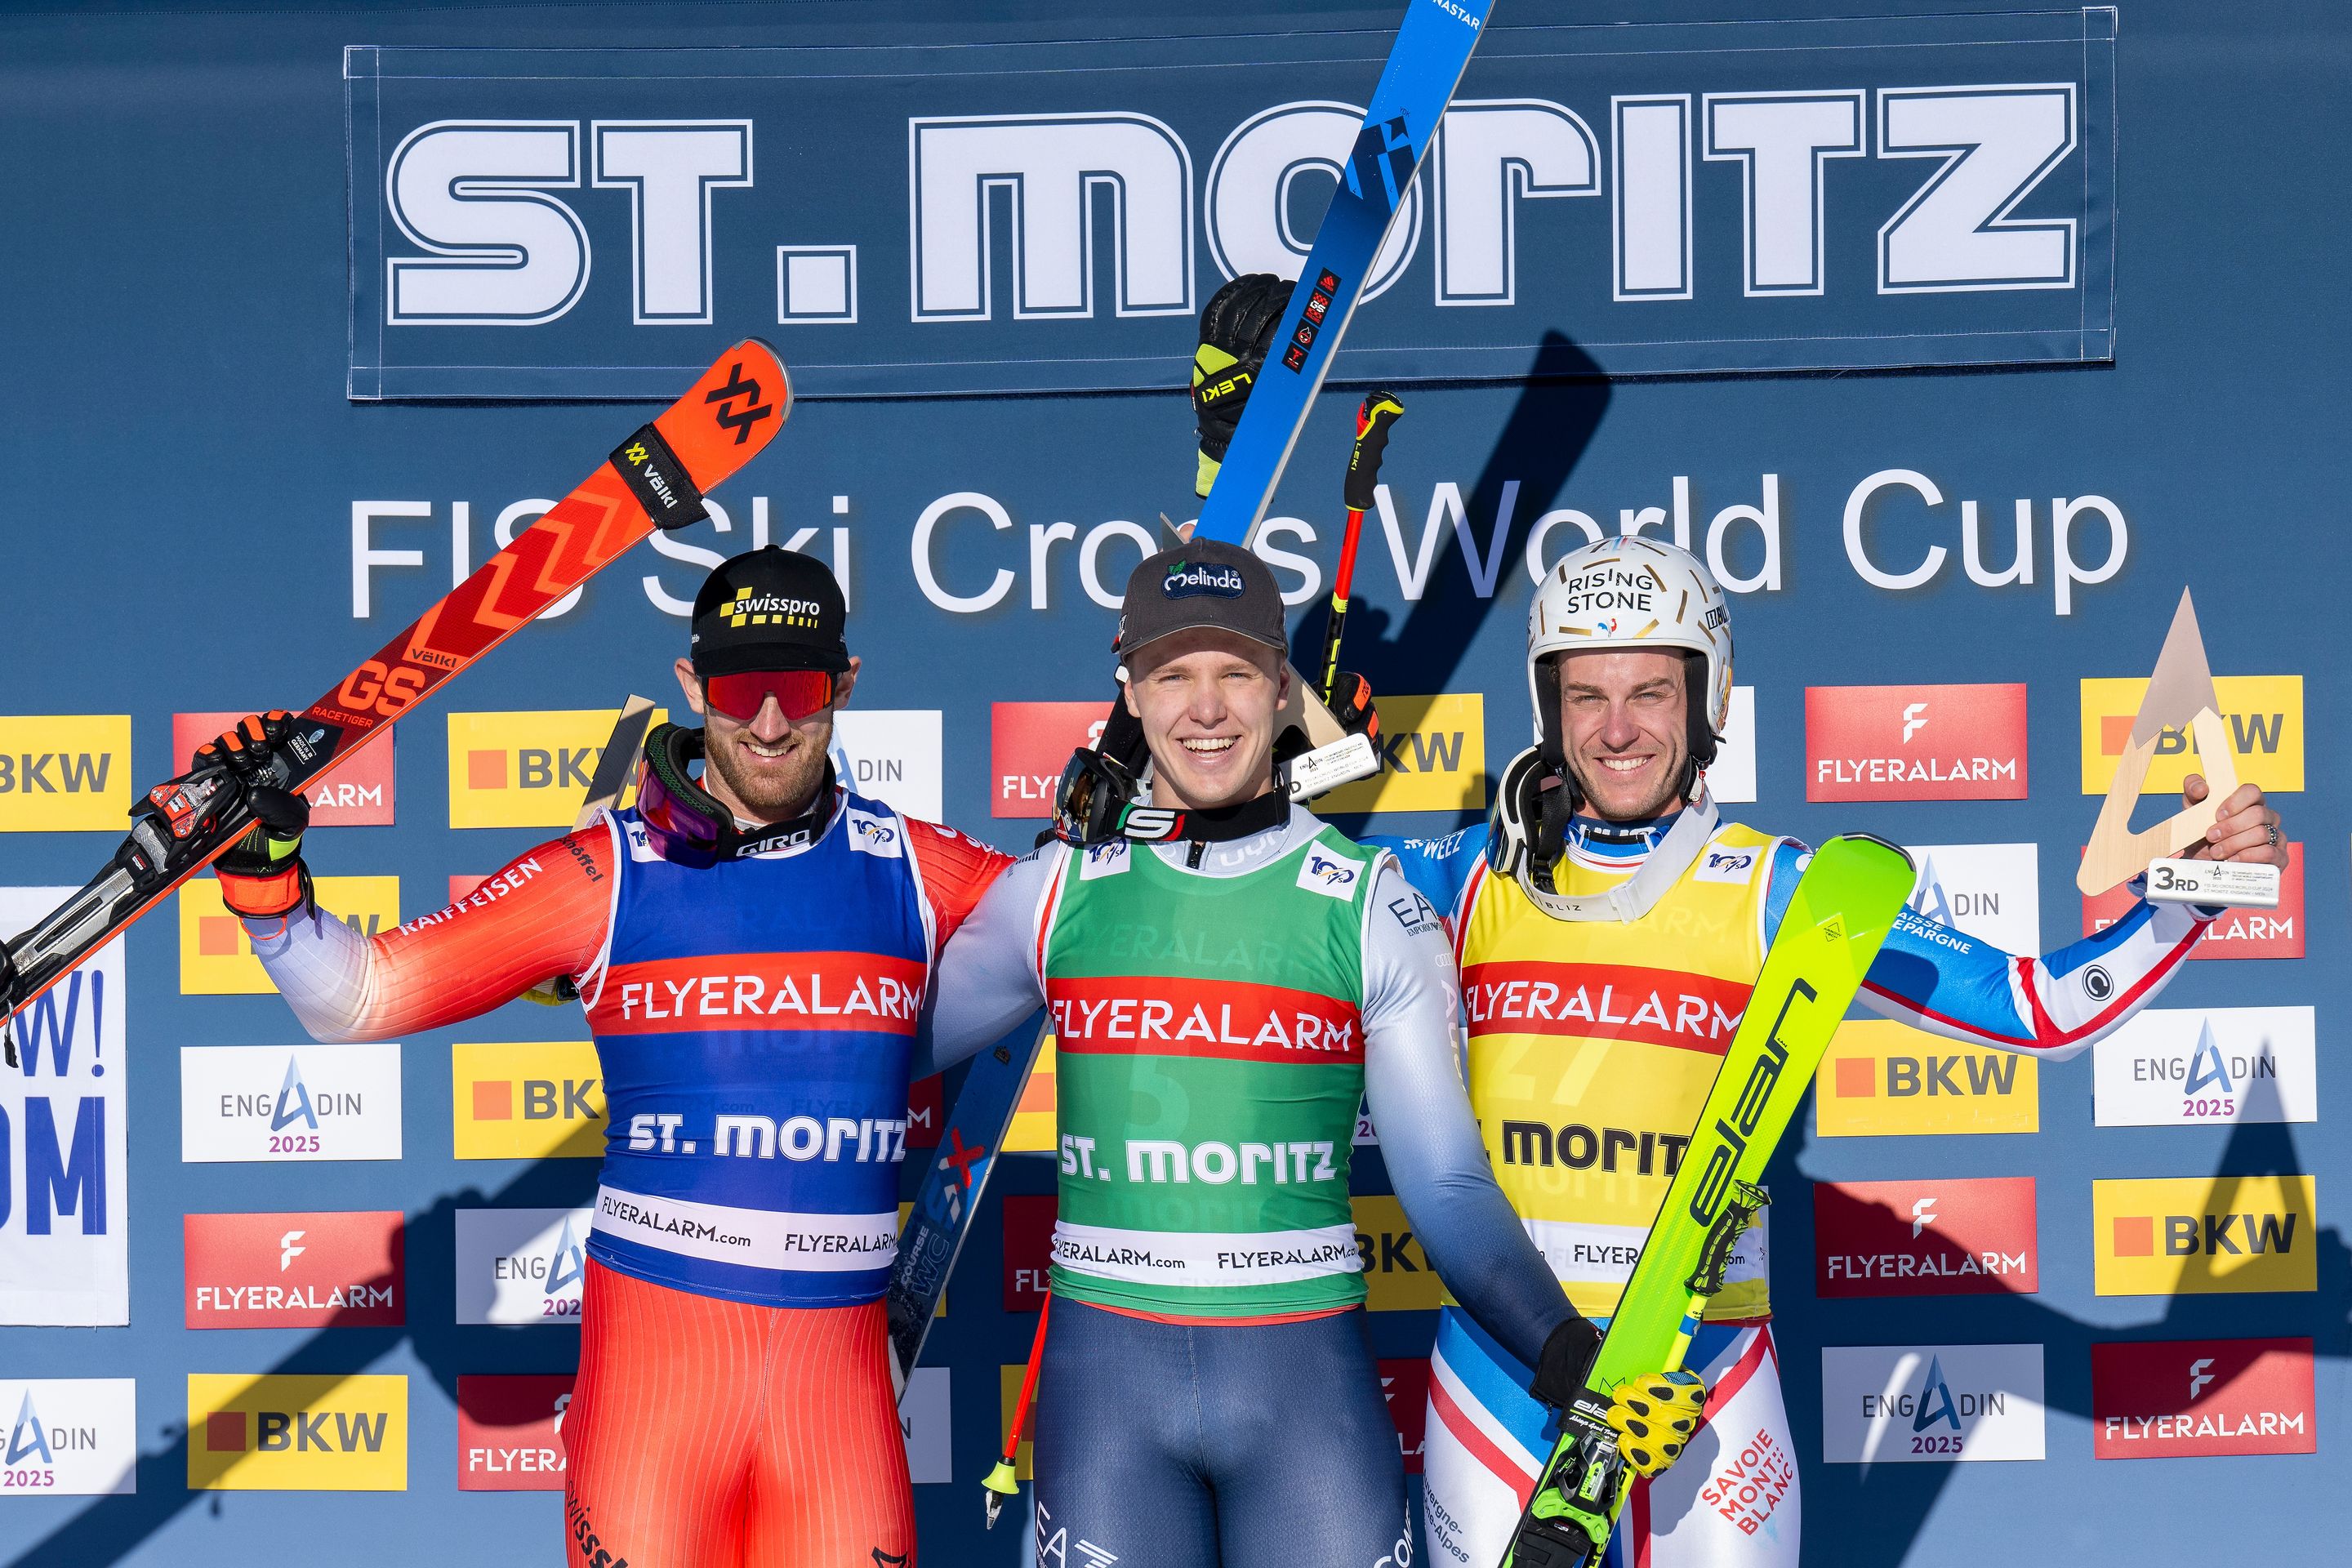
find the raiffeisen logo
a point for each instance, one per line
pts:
(301, 1102)
(2180, 1067)
(2199, 1236)
(286, 1433)
(1951, 1238)
(1880, 1079)
(70, 1436)
(2193, 1398)
(1931, 1403)
(1915, 742)
(294, 1270)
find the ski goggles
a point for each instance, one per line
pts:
(798, 693)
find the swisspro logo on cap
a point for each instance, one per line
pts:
(217, 955)
(281, 1433)
(2184, 1398)
(2180, 1066)
(1882, 1079)
(70, 1436)
(2263, 715)
(521, 1266)
(69, 773)
(1930, 1403)
(751, 607)
(294, 1270)
(527, 1102)
(2238, 934)
(240, 1103)
(1915, 742)
(355, 793)
(510, 1433)
(2204, 1235)
(1029, 744)
(1952, 1237)
(1190, 579)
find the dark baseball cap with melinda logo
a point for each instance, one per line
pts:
(769, 608)
(1201, 584)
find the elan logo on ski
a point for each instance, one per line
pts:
(1187, 580)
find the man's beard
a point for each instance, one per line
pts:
(1655, 804)
(777, 794)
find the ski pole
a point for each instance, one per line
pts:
(1380, 410)
(1003, 1481)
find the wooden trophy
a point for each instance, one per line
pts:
(2179, 696)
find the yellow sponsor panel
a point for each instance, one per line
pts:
(1884, 1079)
(527, 769)
(297, 1433)
(1432, 758)
(1397, 1274)
(533, 1102)
(1008, 1395)
(2197, 1235)
(2263, 715)
(1034, 1126)
(68, 773)
(217, 956)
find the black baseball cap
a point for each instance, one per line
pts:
(1204, 584)
(769, 608)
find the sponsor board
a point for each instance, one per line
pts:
(2194, 1398)
(1029, 744)
(926, 1422)
(64, 1161)
(2263, 715)
(538, 1100)
(924, 1113)
(1882, 1079)
(528, 769)
(518, 1266)
(1035, 1115)
(1991, 891)
(308, 1271)
(1929, 1404)
(1404, 1384)
(1028, 1249)
(893, 755)
(1951, 1238)
(1731, 778)
(2183, 1066)
(2235, 933)
(217, 955)
(1432, 758)
(357, 792)
(510, 1432)
(1397, 1274)
(2204, 1235)
(267, 1103)
(297, 1433)
(68, 773)
(70, 1436)
(1915, 742)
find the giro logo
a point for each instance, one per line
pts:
(272, 1102)
(2183, 1398)
(1958, 1236)
(2173, 1066)
(1882, 1079)
(1931, 1403)
(1876, 742)
(294, 1270)
(2204, 1236)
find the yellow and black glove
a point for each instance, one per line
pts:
(261, 875)
(1237, 327)
(1656, 1417)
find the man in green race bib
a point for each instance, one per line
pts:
(1228, 979)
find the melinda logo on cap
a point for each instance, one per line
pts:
(1187, 579)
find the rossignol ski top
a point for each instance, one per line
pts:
(1211, 1066)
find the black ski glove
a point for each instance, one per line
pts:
(1568, 1356)
(261, 875)
(1352, 704)
(1237, 328)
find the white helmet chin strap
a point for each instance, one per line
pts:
(1634, 896)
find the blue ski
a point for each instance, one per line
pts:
(1425, 65)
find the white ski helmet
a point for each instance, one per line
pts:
(1631, 593)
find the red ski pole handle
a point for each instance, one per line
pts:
(1379, 412)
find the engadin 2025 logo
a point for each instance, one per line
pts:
(1930, 1403)
(1915, 742)
(529, 769)
(2177, 1067)
(521, 1266)
(71, 1435)
(290, 1102)
(2182, 1398)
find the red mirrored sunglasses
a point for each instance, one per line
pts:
(798, 692)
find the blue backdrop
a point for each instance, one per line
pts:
(198, 396)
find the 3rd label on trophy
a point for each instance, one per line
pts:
(2180, 696)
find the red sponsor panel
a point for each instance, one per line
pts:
(864, 991)
(310, 1270)
(1604, 1001)
(355, 793)
(1028, 1249)
(1915, 742)
(510, 1433)
(1029, 744)
(2239, 933)
(2190, 1398)
(1957, 1237)
(923, 1117)
(1404, 1383)
(1146, 1015)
